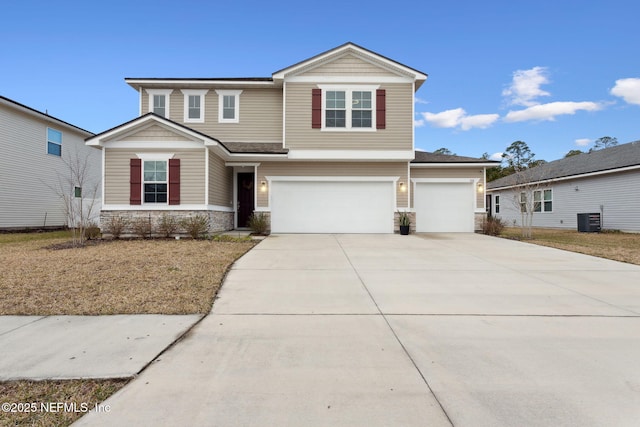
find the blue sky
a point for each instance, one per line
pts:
(555, 74)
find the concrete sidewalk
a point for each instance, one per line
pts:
(379, 330)
(65, 347)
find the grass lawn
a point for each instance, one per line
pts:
(623, 247)
(112, 277)
(115, 277)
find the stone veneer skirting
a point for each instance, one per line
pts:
(218, 221)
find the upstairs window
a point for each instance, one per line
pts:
(155, 181)
(54, 142)
(347, 108)
(194, 103)
(159, 101)
(228, 106)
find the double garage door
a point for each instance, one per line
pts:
(337, 206)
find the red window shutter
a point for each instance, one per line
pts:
(174, 181)
(135, 181)
(381, 109)
(316, 108)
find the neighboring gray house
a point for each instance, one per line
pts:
(35, 149)
(604, 181)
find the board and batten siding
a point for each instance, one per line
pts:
(27, 171)
(260, 115)
(617, 193)
(332, 169)
(192, 175)
(398, 134)
(471, 173)
(220, 182)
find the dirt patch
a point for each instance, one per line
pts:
(120, 277)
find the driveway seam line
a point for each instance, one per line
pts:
(25, 325)
(406, 352)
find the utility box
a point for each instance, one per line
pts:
(589, 222)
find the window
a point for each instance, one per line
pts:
(542, 201)
(155, 181)
(54, 142)
(523, 202)
(497, 204)
(228, 106)
(194, 103)
(349, 108)
(159, 101)
(77, 192)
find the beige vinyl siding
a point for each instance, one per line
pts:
(192, 173)
(260, 115)
(382, 169)
(220, 182)
(348, 65)
(398, 134)
(155, 133)
(470, 172)
(27, 172)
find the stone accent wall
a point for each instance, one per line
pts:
(396, 224)
(218, 220)
(479, 219)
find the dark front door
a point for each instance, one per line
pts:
(246, 203)
(489, 205)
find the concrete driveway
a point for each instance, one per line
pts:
(389, 330)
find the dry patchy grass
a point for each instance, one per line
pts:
(82, 393)
(623, 247)
(115, 277)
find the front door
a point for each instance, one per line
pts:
(246, 203)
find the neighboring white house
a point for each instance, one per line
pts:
(35, 152)
(605, 181)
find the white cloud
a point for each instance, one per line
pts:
(628, 89)
(550, 111)
(496, 156)
(418, 123)
(525, 86)
(458, 118)
(583, 142)
(421, 101)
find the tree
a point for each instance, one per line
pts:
(604, 142)
(572, 153)
(78, 191)
(518, 156)
(444, 150)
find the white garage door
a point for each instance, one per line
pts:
(332, 207)
(444, 206)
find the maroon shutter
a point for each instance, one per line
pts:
(381, 109)
(135, 182)
(174, 181)
(316, 108)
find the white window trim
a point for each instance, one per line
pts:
(542, 200)
(167, 99)
(496, 204)
(349, 89)
(158, 157)
(221, 95)
(194, 92)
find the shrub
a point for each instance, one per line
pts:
(492, 226)
(141, 227)
(116, 226)
(167, 225)
(258, 223)
(91, 231)
(196, 226)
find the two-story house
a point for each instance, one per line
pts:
(323, 146)
(48, 177)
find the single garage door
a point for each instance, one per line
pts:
(444, 206)
(332, 207)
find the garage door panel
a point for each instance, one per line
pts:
(444, 207)
(331, 207)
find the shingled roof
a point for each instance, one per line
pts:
(608, 159)
(426, 157)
